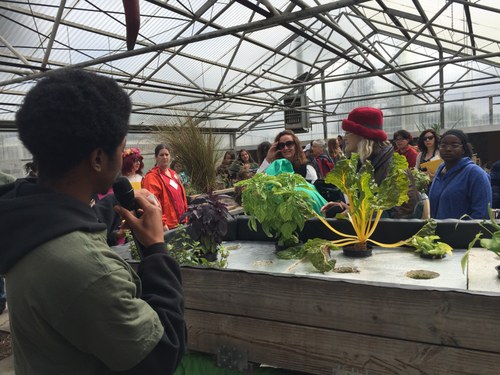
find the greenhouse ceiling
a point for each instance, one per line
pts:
(231, 63)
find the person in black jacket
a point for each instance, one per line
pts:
(75, 306)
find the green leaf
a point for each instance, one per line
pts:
(295, 252)
(393, 190)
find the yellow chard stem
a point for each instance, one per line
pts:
(332, 228)
(375, 223)
(344, 242)
(392, 245)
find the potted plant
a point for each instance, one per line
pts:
(429, 247)
(280, 203)
(207, 218)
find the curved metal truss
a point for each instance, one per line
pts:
(232, 63)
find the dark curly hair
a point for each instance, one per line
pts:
(403, 134)
(421, 143)
(69, 113)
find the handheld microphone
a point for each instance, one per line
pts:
(124, 194)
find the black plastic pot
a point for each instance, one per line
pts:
(210, 257)
(354, 252)
(432, 256)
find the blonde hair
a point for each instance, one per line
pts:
(368, 147)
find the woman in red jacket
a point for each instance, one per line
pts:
(166, 185)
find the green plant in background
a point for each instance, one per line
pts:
(492, 244)
(434, 126)
(422, 180)
(279, 203)
(196, 147)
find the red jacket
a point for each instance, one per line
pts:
(411, 156)
(171, 194)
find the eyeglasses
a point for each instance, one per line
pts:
(288, 144)
(399, 139)
(135, 160)
(454, 146)
(429, 138)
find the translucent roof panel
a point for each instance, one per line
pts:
(232, 62)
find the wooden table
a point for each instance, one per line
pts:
(343, 324)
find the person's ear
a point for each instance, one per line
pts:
(96, 159)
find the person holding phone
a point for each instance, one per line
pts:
(286, 145)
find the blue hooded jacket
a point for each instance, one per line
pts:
(464, 189)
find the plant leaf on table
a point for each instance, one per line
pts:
(316, 250)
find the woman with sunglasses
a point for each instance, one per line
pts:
(132, 166)
(427, 144)
(286, 145)
(460, 187)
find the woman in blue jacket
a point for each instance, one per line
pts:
(460, 186)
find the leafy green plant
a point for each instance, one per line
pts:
(315, 250)
(492, 244)
(367, 200)
(187, 251)
(429, 246)
(422, 180)
(279, 203)
(196, 147)
(207, 217)
(134, 252)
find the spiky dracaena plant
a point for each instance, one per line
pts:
(196, 147)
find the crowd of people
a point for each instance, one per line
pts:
(84, 122)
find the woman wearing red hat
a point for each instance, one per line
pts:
(364, 135)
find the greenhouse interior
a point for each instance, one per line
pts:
(245, 70)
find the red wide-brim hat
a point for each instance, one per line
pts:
(366, 122)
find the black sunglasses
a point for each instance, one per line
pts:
(429, 138)
(288, 144)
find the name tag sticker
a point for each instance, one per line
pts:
(174, 184)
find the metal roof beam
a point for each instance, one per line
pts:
(16, 53)
(53, 34)
(470, 29)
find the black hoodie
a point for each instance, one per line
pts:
(32, 215)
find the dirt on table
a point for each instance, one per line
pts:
(5, 345)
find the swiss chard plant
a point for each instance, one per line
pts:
(367, 200)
